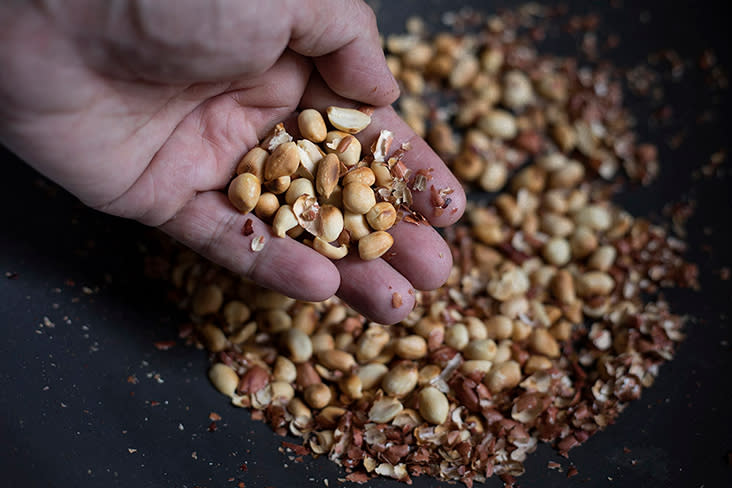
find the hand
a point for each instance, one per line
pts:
(142, 110)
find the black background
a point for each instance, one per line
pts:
(69, 416)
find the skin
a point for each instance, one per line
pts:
(142, 109)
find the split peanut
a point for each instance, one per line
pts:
(322, 189)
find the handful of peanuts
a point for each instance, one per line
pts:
(323, 188)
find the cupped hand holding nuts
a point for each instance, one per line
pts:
(149, 122)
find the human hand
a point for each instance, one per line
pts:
(143, 109)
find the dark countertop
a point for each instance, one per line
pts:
(80, 320)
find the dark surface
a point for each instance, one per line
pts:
(70, 417)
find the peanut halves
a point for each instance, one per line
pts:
(326, 188)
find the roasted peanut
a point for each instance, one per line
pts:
(299, 187)
(343, 145)
(381, 216)
(503, 376)
(374, 245)
(312, 125)
(298, 345)
(410, 347)
(224, 378)
(401, 379)
(244, 192)
(358, 198)
(267, 206)
(283, 161)
(253, 162)
(433, 405)
(317, 395)
(348, 120)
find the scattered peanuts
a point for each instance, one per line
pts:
(544, 330)
(322, 189)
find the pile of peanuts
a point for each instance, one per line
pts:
(540, 334)
(544, 330)
(323, 188)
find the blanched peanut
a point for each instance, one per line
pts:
(433, 405)
(348, 120)
(331, 223)
(253, 162)
(279, 185)
(494, 176)
(284, 220)
(563, 287)
(595, 283)
(282, 392)
(542, 342)
(401, 379)
(603, 258)
(556, 225)
(244, 191)
(567, 176)
(562, 330)
(475, 365)
(284, 370)
(328, 250)
(503, 376)
(363, 175)
(583, 242)
(283, 161)
(374, 245)
(322, 341)
(299, 410)
(224, 378)
(457, 336)
(427, 374)
(267, 206)
(537, 363)
(557, 251)
(335, 359)
(382, 173)
(351, 385)
(384, 410)
(371, 343)
(213, 338)
(207, 300)
(517, 90)
(243, 334)
(499, 124)
(356, 225)
(371, 375)
(521, 330)
(484, 349)
(343, 145)
(410, 347)
(298, 187)
(381, 216)
(317, 395)
(595, 217)
(426, 326)
(476, 328)
(326, 179)
(312, 125)
(499, 327)
(298, 345)
(275, 320)
(358, 198)
(310, 156)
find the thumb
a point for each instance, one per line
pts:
(343, 38)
